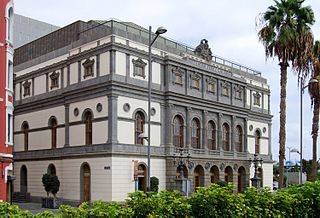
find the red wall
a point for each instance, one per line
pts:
(4, 161)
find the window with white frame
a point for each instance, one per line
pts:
(10, 24)
(9, 74)
(9, 134)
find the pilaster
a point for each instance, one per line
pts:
(112, 118)
(66, 124)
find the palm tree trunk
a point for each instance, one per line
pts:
(282, 132)
(315, 129)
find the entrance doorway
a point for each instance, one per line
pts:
(142, 178)
(241, 179)
(23, 179)
(198, 179)
(86, 183)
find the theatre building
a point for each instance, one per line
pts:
(6, 99)
(81, 109)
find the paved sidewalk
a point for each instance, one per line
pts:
(34, 208)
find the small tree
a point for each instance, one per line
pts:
(55, 185)
(154, 184)
(46, 183)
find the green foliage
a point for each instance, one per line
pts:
(51, 184)
(154, 184)
(297, 201)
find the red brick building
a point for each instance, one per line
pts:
(6, 99)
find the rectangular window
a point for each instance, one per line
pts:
(9, 129)
(211, 87)
(9, 75)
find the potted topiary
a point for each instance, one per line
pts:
(51, 185)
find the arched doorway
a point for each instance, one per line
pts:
(85, 182)
(198, 177)
(214, 174)
(23, 179)
(241, 179)
(142, 177)
(228, 174)
(185, 172)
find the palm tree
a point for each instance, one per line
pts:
(314, 91)
(284, 25)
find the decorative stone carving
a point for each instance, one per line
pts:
(207, 166)
(225, 89)
(190, 165)
(26, 87)
(99, 107)
(211, 84)
(153, 111)
(126, 107)
(250, 127)
(264, 129)
(76, 112)
(222, 165)
(256, 98)
(139, 68)
(203, 50)
(235, 167)
(195, 80)
(54, 77)
(238, 92)
(177, 76)
(88, 67)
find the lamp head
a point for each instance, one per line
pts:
(161, 30)
(313, 81)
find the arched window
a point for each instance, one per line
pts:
(53, 126)
(178, 131)
(88, 126)
(238, 138)
(195, 133)
(10, 24)
(25, 130)
(226, 137)
(257, 142)
(51, 170)
(139, 127)
(211, 136)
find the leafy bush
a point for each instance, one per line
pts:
(154, 184)
(214, 201)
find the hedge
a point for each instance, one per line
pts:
(214, 201)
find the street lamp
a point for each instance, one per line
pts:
(302, 88)
(160, 30)
(256, 180)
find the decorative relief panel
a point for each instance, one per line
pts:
(211, 84)
(256, 98)
(195, 80)
(54, 77)
(225, 89)
(26, 88)
(238, 92)
(177, 76)
(139, 68)
(88, 68)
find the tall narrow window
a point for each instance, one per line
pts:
(226, 137)
(195, 133)
(9, 75)
(53, 126)
(139, 128)
(178, 131)
(88, 127)
(25, 130)
(9, 128)
(10, 24)
(257, 142)
(238, 138)
(211, 136)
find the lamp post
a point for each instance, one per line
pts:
(302, 88)
(256, 180)
(160, 30)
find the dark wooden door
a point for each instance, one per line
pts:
(86, 186)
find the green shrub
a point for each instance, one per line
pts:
(154, 184)
(7, 210)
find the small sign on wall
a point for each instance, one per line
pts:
(107, 167)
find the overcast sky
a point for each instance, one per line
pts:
(228, 25)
